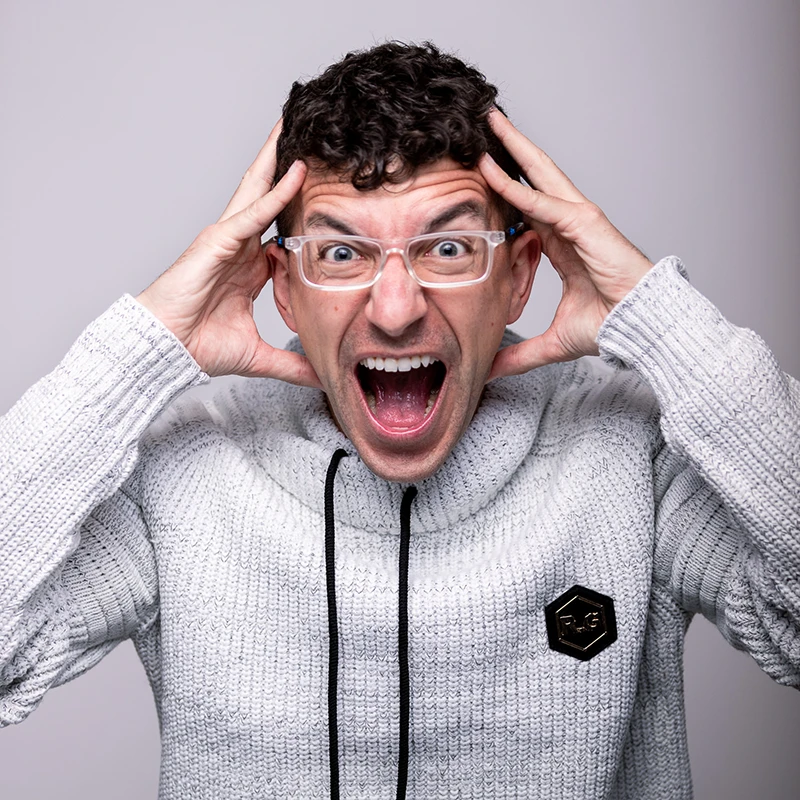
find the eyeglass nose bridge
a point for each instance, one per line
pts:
(401, 251)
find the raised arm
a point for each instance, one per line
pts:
(77, 573)
(77, 568)
(727, 476)
(206, 297)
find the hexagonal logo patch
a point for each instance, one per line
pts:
(581, 623)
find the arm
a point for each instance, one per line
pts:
(77, 569)
(728, 472)
(727, 493)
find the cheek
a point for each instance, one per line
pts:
(322, 322)
(487, 323)
(485, 316)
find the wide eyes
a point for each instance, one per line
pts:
(341, 253)
(448, 249)
(338, 253)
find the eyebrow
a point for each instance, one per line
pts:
(319, 220)
(468, 208)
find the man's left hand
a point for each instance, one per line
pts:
(597, 265)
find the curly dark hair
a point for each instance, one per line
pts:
(377, 115)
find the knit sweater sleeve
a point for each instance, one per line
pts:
(77, 572)
(727, 468)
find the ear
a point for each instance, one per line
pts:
(526, 252)
(278, 260)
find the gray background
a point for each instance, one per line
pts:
(125, 128)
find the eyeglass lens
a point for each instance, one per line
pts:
(329, 261)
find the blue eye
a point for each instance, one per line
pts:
(449, 249)
(338, 253)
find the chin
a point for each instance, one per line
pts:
(408, 456)
(403, 468)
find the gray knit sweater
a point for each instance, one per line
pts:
(666, 478)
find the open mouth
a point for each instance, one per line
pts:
(401, 393)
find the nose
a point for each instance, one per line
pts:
(396, 301)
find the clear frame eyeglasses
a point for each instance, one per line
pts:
(446, 260)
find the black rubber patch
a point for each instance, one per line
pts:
(581, 623)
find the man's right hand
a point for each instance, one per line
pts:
(206, 297)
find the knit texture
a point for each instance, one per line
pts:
(665, 475)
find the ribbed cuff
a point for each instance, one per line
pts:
(666, 330)
(726, 405)
(129, 352)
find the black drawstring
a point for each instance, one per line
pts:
(402, 640)
(333, 627)
(333, 632)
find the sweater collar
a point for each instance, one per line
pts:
(296, 436)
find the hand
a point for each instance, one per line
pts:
(206, 297)
(597, 265)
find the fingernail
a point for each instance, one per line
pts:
(488, 158)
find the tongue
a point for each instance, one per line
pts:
(401, 397)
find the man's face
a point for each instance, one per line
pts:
(404, 423)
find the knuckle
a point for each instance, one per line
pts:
(208, 234)
(593, 212)
(532, 201)
(550, 161)
(531, 165)
(251, 212)
(542, 159)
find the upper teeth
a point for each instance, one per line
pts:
(404, 364)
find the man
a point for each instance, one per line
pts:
(465, 567)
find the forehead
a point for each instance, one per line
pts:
(402, 209)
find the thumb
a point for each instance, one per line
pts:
(272, 362)
(525, 356)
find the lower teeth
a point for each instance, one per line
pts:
(431, 402)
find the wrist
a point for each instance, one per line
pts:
(150, 302)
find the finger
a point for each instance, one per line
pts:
(259, 215)
(561, 254)
(258, 178)
(270, 362)
(525, 356)
(535, 204)
(539, 169)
